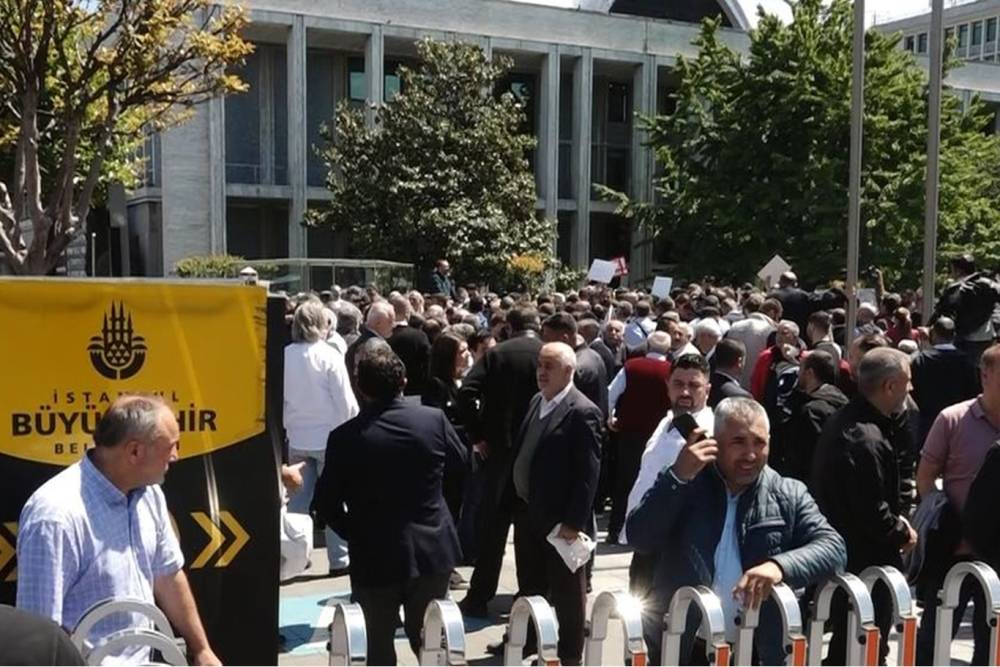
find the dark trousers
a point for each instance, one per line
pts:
(970, 592)
(640, 574)
(837, 652)
(493, 526)
(541, 571)
(628, 458)
(380, 605)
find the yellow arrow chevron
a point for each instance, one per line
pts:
(8, 551)
(241, 539)
(216, 539)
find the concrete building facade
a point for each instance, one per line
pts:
(241, 174)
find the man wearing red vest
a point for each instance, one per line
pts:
(637, 401)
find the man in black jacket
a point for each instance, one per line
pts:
(382, 491)
(942, 375)
(856, 481)
(796, 304)
(815, 399)
(553, 483)
(729, 357)
(411, 345)
(719, 517)
(591, 376)
(970, 300)
(492, 403)
(378, 325)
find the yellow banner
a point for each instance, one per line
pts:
(72, 347)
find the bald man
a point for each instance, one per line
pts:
(554, 480)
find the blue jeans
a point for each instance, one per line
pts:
(336, 547)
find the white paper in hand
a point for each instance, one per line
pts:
(574, 553)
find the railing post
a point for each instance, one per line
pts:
(624, 607)
(101, 610)
(948, 601)
(348, 635)
(862, 633)
(443, 636)
(791, 621)
(713, 625)
(536, 610)
(904, 616)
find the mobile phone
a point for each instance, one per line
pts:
(684, 424)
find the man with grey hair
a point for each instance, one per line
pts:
(317, 399)
(856, 480)
(718, 516)
(101, 529)
(379, 322)
(552, 485)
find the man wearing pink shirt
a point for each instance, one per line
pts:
(954, 451)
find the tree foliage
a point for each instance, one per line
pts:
(81, 81)
(442, 172)
(755, 156)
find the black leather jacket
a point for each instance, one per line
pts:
(777, 520)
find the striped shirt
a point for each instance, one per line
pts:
(81, 540)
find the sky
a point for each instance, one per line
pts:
(879, 11)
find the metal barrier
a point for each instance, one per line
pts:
(627, 609)
(118, 641)
(862, 633)
(712, 623)
(443, 635)
(791, 620)
(948, 600)
(105, 608)
(348, 636)
(536, 610)
(904, 614)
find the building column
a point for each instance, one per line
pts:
(548, 139)
(374, 71)
(217, 174)
(583, 102)
(644, 96)
(297, 137)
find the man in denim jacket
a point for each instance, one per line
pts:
(720, 517)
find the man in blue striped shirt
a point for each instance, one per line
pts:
(100, 529)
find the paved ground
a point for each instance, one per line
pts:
(307, 603)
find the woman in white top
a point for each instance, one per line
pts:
(318, 399)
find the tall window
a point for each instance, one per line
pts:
(922, 43)
(612, 134)
(524, 87)
(257, 120)
(320, 104)
(963, 36)
(910, 43)
(977, 33)
(991, 30)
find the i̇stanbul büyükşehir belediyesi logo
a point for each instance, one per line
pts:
(117, 353)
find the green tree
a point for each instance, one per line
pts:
(755, 156)
(442, 172)
(82, 81)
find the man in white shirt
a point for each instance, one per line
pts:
(640, 326)
(761, 317)
(680, 335)
(688, 388)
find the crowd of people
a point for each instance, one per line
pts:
(733, 437)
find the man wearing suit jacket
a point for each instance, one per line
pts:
(729, 357)
(943, 375)
(492, 403)
(382, 491)
(553, 481)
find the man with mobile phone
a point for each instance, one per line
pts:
(718, 516)
(688, 389)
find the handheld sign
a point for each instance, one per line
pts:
(602, 271)
(661, 286)
(773, 270)
(868, 295)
